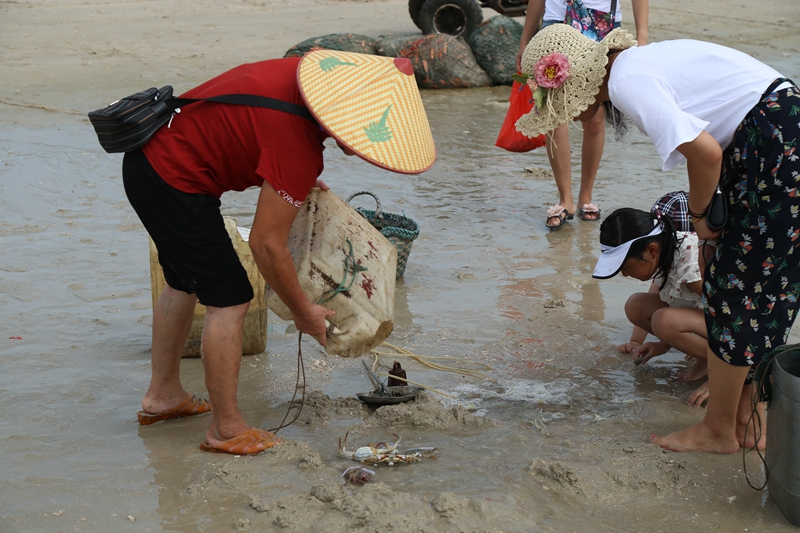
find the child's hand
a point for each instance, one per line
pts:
(628, 347)
(648, 350)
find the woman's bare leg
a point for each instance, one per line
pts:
(558, 151)
(594, 138)
(717, 432)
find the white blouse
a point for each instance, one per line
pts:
(685, 269)
(673, 90)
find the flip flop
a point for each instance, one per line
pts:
(190, 406)
(560, 212)
(589, 212)
(247, 443)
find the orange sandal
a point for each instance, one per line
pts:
(190, 406)
(249, 442)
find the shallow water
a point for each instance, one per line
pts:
(485, 281)
(557, 440)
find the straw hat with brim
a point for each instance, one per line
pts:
(585, 69)
(371, 105)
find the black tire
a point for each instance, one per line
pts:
(456, 17)
(414, 7)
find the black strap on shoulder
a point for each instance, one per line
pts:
(249, 100)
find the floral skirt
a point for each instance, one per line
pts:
(752, 284)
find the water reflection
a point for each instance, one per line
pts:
(578, 252)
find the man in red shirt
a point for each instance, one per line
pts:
(174, 184)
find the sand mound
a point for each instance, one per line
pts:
(424, 412)
(320, 407)
(334, 508)
(622, 474)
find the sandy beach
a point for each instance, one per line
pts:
(555, 439)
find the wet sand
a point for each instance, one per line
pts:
(557, 440)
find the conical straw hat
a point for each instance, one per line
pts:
(371, 105)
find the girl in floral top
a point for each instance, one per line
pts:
(646, 246)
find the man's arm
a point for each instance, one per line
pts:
(269, 244)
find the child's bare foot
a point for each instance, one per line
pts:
(698, 397)
(697, 438)
(696, 372)
(746, 435)
(750, 441)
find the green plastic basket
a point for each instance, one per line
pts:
(400, 230)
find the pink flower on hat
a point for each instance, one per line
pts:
(551, 71)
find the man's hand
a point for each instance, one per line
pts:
(312, 322)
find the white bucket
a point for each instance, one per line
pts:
(255, 321)
(319, 245)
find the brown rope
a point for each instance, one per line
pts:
(301, 370)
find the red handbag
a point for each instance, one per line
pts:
(521, 104)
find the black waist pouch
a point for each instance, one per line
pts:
(128, 123)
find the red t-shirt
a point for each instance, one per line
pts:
(210, 148)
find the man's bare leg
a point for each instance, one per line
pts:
(717, 432)
(221, 349)
(172, 319)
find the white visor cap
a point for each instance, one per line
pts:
(612, 258)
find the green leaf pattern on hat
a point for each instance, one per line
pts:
(329, 63)
(377, 131)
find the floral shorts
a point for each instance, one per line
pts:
(752, 284)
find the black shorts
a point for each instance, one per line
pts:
(194, 248)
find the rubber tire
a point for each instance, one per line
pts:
(456, 17)
(414, 7)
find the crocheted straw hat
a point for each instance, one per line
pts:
(585, 69)
(371, 105)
